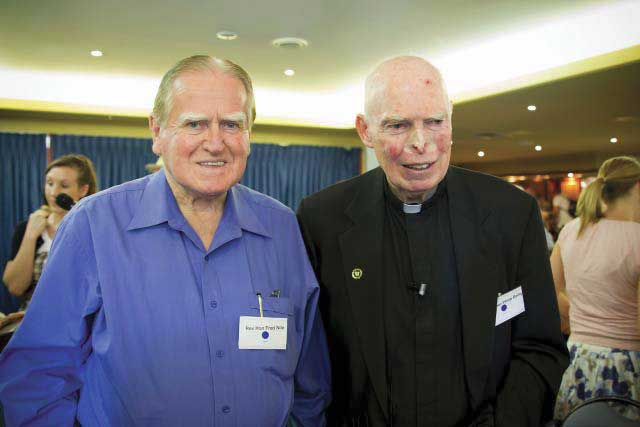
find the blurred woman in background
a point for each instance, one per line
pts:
(596, 269)
(72, 174)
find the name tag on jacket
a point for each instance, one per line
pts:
(509, 305)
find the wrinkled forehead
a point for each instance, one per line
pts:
(213, 84)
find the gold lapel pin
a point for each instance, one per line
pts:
(356, 273)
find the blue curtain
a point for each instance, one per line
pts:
(23, 158)
(289, 173)
(116, 160)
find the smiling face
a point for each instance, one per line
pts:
(408, 124)
(205, 142)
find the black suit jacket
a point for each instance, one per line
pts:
(512, 370)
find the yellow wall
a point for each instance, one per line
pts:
(59, 123)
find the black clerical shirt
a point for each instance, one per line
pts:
(424, 359)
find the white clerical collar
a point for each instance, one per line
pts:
(414, 208)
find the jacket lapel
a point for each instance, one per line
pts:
(361, 247)
(477, 280)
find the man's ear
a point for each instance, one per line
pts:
(154, 127)
(363, 130)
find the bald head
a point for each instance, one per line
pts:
(393, 75)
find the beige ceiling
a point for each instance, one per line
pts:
(347, 37)
(577, 107)
(575, 117)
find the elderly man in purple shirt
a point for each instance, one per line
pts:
(182, 298)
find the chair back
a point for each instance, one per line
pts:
(598, 413)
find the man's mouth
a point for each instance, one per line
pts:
(212, 164)
(419, 166)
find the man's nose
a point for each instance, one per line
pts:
(419, 140)
(213, 139)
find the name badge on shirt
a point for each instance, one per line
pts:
(509, 305)
(262, 333)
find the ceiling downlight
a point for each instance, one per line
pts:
(290, 43)
(226, 35)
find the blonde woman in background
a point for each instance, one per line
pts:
(596, 268)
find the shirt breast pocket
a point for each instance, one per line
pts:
(281, 363)
(271, 306)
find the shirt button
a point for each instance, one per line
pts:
(213, 304)
(226, 409)
(220, 353)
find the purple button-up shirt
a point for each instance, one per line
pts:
(134, 322)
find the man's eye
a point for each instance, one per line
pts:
(396, 126)
(435, 122)
(230, 125)
(197, 125)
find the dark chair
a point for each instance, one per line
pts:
(597, 413)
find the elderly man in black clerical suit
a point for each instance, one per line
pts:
(436, 290)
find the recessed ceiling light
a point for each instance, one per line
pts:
(480, 153)
(538, 147)
(290, 42)
(96, 53)
(289, 72)
(226, 35)
(613, 140)
(570, 174)
(532, 108)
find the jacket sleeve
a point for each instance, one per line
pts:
(538, 353)
(40, 368)
(312, 381)
(307, 239)
(313, 375)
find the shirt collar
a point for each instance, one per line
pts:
(242, 211)
(158, 205)
(398, 205)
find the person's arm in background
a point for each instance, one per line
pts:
(539, 355)
(18, 273)
(557, 269)
(40, 369)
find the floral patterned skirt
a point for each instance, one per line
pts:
(597, 371)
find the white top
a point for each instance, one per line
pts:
(46, 245)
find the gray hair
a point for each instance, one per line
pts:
(164, 98)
